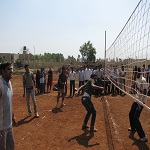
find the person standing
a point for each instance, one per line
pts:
(148, 74)
(87, 73)
(6, 115)
(114, 79)
(81, 77)
(28, 88)
(42, 81)
(136, 108)
(99, 73)
(143, 70)
(87, 103)
(72, 76)
(122, 81)
(134, 73)
(38, 81)
(100, 76)
(62, 81)
(50, 80)
(67, 75)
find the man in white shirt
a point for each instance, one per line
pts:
(114, 78)
(81, 77)
(136, 108)
(122, 84)
(72, 76)
(99, 74)
(87, 74)
(6, 113)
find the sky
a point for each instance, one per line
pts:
(61, 26)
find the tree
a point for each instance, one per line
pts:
(18, 63)
(88, 52)
(50, 57)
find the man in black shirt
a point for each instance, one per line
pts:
(62, 81)
(87, 103)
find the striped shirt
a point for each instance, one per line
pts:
(5, 104)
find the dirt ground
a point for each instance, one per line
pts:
(60, 129)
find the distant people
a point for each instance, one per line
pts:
(106, 85)
(122, 81)
(67, 75)
(87, 103)
(42, 81)
(62, 81)
(148, 74)
(72, 76)
(87, 74)
(6, 114)
(50, 80)
(99, 82)
(143, 70)
(136, 108)
(134, 73)
(29, 89)
(99, 73)
(114, 77)
(81, 77)
(38, 81)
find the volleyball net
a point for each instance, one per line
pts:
(131, 49)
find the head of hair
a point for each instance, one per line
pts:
(4, 65)
(26, 65)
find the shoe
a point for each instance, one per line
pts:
(36, 115)
(85, 127)
(132, 130)
(143, 139)
(92, 129)
(63, 104)
(30, 114)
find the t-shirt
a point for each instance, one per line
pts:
(62, 79)
(88, 88)
(5, 104)
(141, 84)
(28, 79)
(72, 75)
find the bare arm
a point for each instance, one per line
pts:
(80, 88)
(95, 86)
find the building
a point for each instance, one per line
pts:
(11, 57)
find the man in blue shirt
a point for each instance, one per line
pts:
(6, 115)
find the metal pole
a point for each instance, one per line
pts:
(105, 62)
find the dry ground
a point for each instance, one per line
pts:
(60, 129)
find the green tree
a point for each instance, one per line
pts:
(88, 52)
(48, 57)
(18, 63)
